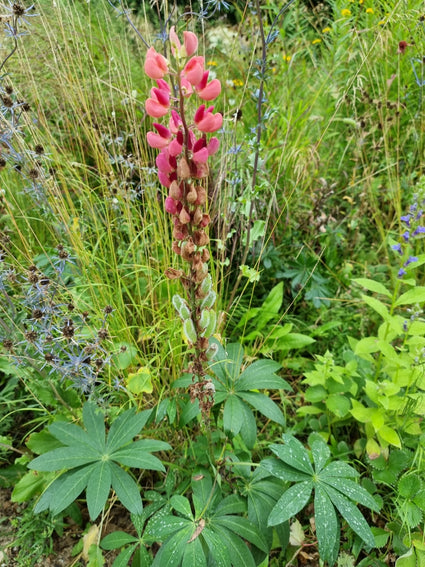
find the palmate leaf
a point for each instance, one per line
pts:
(239, 552)
(171, 552)
(321, 454)
(233, 415)
(248, 430)
(232, 504)
(194, 555)
(351, 515)
(243, 528)
(291, 502)
(351, 490)
(283, 471)
(217, 550)
(125, 427)
(98, 488)
(126, 489)
(293, 453)
(71, 434)
(327, 526)
(94, 423)
(69, 485)
(264, 405)
(117, 539)
(64, 458)
(137, 458)
(261, 375)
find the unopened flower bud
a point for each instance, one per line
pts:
(175, 191)
(184, 216)
(188, 249)
(202, 195)
(206, 219)
(197, 216)
(192, 195)
(183, 169)
(200, 238)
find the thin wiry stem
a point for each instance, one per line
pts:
(15, 32)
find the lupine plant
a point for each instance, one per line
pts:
(183, 170)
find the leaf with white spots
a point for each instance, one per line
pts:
(293, 453)
(351, 490)
(327, 526)
(292, 501)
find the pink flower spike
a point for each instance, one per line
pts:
(194, 70)
(190, 43)
(211, 91)
(164, 179)
(155, 109)
(163, 163)
(213, 146)
(175, 42)
(156, 65)
(175, 122)
(187, 89)
(162, 96)
(156, 141)
(175, 147)
(206, 121)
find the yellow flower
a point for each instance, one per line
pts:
(369, 10)
(326, 30)
(361, 1)
(345, 13)
(316, 41)
(212, 63)
(286, 58)
(382, 23)
(237, 83)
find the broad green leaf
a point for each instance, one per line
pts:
(260, 375)
(377, 306)
(248, 430)
(293, 453)
(71, 434)
(283, 471)
(194, 555)
(408, 559)
(293, 340)
(42, 442)
(31, 484)
(351, 514)
(232, 504)
(124, 428)
(218, 551)
(414, 295)
(340, 469)
(233, 415)
(64, 458)
(123, 559)
(181, 505)
(389, 435)
(372, 285)
(274, 300)
(351, 490)
(264, 405)
(239, 552)
(117, 539)
(260, 505)
(64, 490)
(171, 552)
(202, 489)
(126, 489)
(98, 488)
(244, 528)
(292, 501)
(162, 526)
(140, 381)
(321, 454)
(142, 558)
(327, 526)
(94, 422)
(138, 458)
(338, 404)
(189, 412)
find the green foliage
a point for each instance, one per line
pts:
(334, 490)
(91, 461)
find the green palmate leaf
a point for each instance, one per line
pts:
(141, 558)
(94, 423)
(340, 469)
(351, 514)
(202, 489)
(123, 559)
(116, 540)
(264, 405)
(249, 427)
(321, 453)
(218, 551)
(414, 295)
(137, 459)
(293, 453)
(31, 484)
(232, 504)
(98, 488)
(389, 435)
(64, 490)
(338, 404)
(292, 501)
(238, 550)
(327, 526)
(189, 412)
(244, 528)
(351, 490)
(280, 470)
(64, 458)
(260, 375)
(125, 427)
(233, 415)
(71, 434)
(126, 489)
(162, 526)
(171, 552)
(259, 507)
(372, 285)
(181, 505)
(194, 555)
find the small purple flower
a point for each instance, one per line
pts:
(405, 326)
(420, 213)
(406, 235)
(410, 260)
(406, 219)
(413, 207)
(401, 273)
(397, 248)
(419, 230)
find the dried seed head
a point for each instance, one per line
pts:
(8, 344)
(37, 314)
(70, 307)
(44, 281)
(68, 329)
(108, 309)
(32, 277)
(39, 150)
(33, 173)
(18, 9)
(103, 334)
(30, 336)
(8, 89)
(24, 105)
(2, 163)
(48, 357)
(7, 101)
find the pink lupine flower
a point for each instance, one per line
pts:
(206, 121)
(171, 205)
(190, 43)
(213, 145)
(208, 91)
(164, 163)
(200, 152)
(156, 66)
(194, 70)
(160, 140)
(159, 103)
(176, 145)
